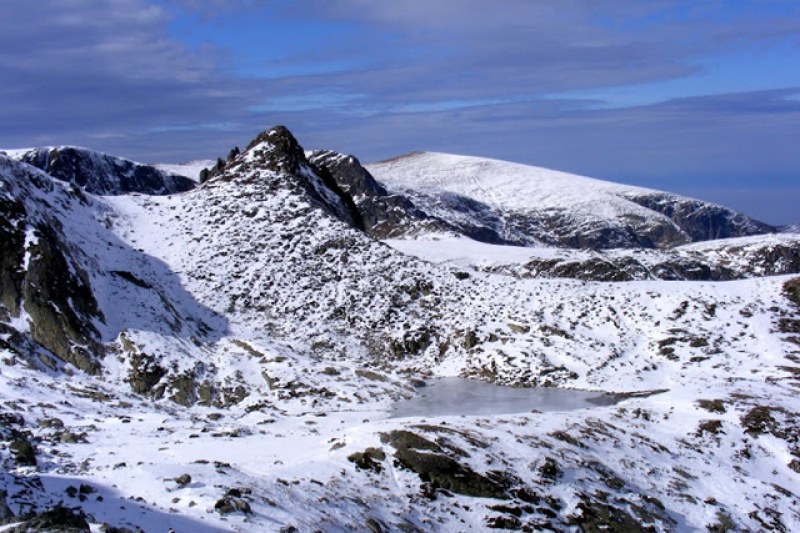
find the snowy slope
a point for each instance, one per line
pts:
(190, 169)
(253, 338)
(552, 207)
(509, 185)
(720, 260)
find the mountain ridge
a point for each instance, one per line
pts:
(547, 206)
(253, 339)
(101, 173)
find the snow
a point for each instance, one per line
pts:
(190, 169)
(249, 283)
(743, 242)
(743, 255)
(16, 153)
(525, 205)
(31, 239)
(510, 185)
(465, 252)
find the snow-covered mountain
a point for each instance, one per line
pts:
(521, 204)
(226, 358)
(101, 173)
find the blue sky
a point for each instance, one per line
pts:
(695, 97)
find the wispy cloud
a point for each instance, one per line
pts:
(206, 126)
(648, 91)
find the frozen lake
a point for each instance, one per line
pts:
(460, 396)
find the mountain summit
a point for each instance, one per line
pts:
(522, 204)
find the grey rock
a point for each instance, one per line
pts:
(59, 300)
(702, 221)
(104, 174)
(23, 451)
(60, 519)
(6, 515)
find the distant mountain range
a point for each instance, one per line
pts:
(98, 173)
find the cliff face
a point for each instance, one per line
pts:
(43, 274)
(103, 174)
(702, 221)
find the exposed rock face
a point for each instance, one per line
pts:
(277, 150)
(430, 461)
(381, 215)
(702, 221)
(385, 215)
(40, 274)
(351, 176)
(103, 174)
(22, 450)
(12, 242)
(5, 511)
(792, 291)
(233, 502)
(687, 221)
(58, 518)
(59, 300)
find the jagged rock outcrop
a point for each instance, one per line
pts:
(12, 242)
(277, 150)
(351, 176)
(104, 174)
(58, 518)
(381, 215)
(386, 215)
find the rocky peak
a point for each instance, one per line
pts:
(279, 149)
(275, 159)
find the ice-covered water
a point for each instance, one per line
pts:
(459, 396)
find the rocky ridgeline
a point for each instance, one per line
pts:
(753, 259)
(280, 239)
(98, 173)
(394, 215)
